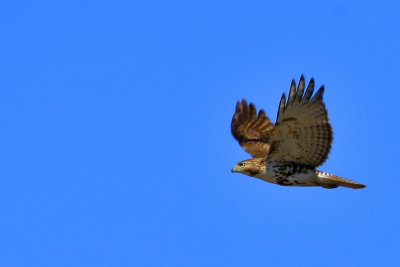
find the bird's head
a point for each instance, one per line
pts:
(251, 167)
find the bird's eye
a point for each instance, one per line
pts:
(241, 165)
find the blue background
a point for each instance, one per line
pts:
(115, 132)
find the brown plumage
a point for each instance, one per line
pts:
(251, 130)
(292, 148)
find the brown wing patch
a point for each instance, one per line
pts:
(302, 132)
(252, 130)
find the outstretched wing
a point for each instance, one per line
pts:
(251, 130)
(302, 132)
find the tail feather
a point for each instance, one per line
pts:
(331, 181)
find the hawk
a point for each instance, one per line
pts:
(288, 152)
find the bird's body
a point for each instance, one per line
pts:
(288, 152)
(292, 174)
(283, 173)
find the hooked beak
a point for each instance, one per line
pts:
(234, 169)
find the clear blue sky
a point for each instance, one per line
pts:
(115, 132)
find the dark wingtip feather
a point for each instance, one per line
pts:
(310, 90)
(253, 111)
(322, 89)
(282, 105)
(292, 92)
(300, 89)
(319, 94)
(240, 112)
(238, 105)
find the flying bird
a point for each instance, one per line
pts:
(288, 152)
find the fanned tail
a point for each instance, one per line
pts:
(328, 180)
